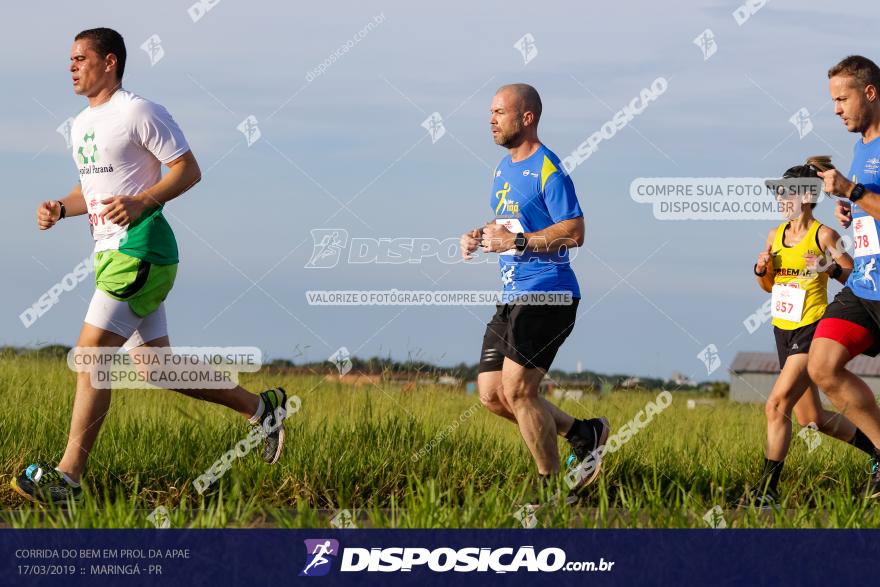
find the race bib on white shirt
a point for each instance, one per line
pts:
(788, 302)
(514, 226)
(866, 241)
(102, 229)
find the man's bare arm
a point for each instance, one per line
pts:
(836, 183)
(49, 212)
(183, 173)
(566, 234)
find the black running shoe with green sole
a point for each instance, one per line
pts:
(43, 484)
(584, 464)
(272, 423)
(873, 491)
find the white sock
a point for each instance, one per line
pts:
(261, 407)
(66, 478)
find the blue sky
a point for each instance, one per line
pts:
(355, 131)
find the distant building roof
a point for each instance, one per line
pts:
(769, 363)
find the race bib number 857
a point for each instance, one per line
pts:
(788, 302)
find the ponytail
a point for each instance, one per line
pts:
(819, 163)
(811, 168)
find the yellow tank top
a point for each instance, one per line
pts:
(790, 266)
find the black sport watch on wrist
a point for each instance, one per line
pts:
(520, 242)
(762, 273)
(857, 192)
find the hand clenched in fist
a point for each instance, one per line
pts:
(48, 213)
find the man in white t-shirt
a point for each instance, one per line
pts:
(120, 142)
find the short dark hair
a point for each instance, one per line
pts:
(531, 100)
(106, 41)
(862, 69)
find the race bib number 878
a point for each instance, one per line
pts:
(514, 226)
(866, 241)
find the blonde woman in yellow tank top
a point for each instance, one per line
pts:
(799, 257)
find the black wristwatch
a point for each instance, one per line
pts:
(835, 273)
(520, 242)
(857, 192)
(762, 273)
(63, 211)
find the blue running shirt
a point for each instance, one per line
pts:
(864, 280)
(529, 196)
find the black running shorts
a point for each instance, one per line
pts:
(793, 342)
(530, 335)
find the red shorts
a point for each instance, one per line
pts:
(853, 322)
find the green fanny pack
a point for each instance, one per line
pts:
(140, 283)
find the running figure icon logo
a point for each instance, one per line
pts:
(714, 518)
(327, 247)
(706, 42)
(869, 268)
(317, 553)
(153, 47)
(434, 125)
(811, 437)
(802, 122)
(526, 516)
(250, 128)
(160, 517)
(342, 359)
(527, 48)
(64, 130)
(862, 273)
(343, 519)
(710, 358)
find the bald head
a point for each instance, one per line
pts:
(525, 97)
(515, 110)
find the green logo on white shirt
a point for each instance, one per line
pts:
(88, 151)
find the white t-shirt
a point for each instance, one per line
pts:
(119, 148)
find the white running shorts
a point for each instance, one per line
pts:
(110, 314)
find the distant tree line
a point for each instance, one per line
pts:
(390, 368)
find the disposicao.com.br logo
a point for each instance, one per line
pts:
(442, 560)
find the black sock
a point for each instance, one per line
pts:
(861, 442)
(573, 431)
(772, 472)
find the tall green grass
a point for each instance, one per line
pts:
(353, 448)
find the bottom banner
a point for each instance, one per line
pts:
(447, 557)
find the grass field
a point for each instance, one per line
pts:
(353, 448)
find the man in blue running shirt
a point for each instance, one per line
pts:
(537, 219)
(851, 323)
